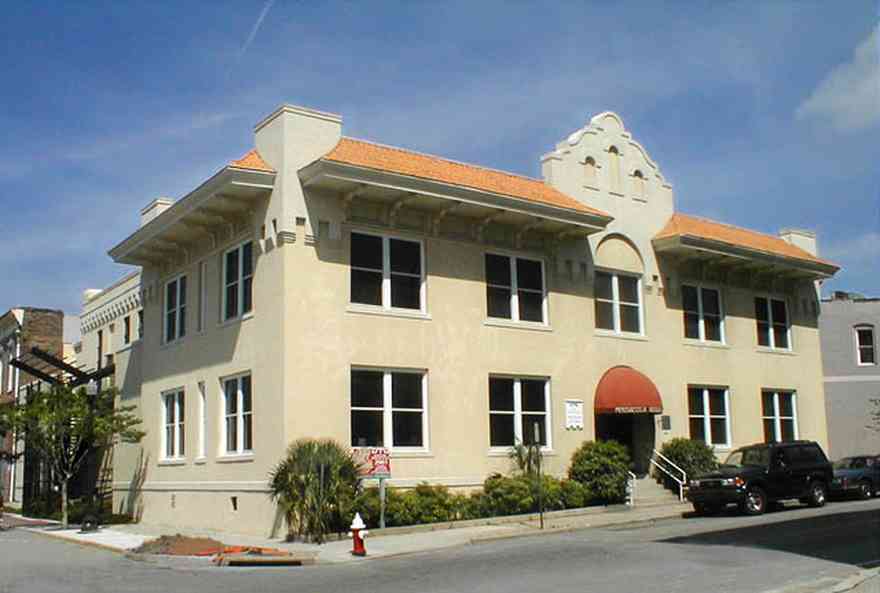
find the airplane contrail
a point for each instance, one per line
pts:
(256, 28)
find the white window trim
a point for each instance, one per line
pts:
(179, 398)
(702, 318)
(707, 415)
(615, 302)
(202, 311)
(518, 412)
(178, 314)
(514, 288)
(239, 451)
(872, 346)
(386, 275)
(772, 336)
(777, 418)
(388, 411)
(240, 313)
(203, 419)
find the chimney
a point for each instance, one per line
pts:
(806, 240)
(288, 139)
(154, 209)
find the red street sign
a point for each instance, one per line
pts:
(377, 463)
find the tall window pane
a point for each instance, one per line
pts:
(377, 260)
(617, 302)
(514, 288)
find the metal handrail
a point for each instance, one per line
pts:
(670, 462)
(681, 482)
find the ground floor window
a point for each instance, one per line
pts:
(174, 441)
(779, 411)
(709, 415)
(238, 415)
(516, 407)
(389, 408)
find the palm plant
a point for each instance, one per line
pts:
(526, 457)
(315, 485)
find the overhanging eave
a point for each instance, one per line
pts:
(693, 247)
(216, 201)
(323, 172)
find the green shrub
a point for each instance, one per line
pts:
(367, 504)
(602, 468)
(553, 498)
(574, 494)
(421, 505)
(694, 457)
(503, 495)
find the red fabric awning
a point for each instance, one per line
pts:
(623, 390)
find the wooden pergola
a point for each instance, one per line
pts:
(52, 370)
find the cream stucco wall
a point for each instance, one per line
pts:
(304, 336)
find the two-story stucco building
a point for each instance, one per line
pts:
(328, 286)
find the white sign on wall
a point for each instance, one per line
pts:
(574, 414)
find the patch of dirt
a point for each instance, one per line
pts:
(181, 545)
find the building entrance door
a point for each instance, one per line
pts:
(633, 431)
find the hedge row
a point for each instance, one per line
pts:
(597, 475)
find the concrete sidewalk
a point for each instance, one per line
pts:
(384, 543)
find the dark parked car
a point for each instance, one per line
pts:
(858, 475)
(757, 476)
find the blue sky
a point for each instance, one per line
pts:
(762, 114)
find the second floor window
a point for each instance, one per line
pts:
(515, 288)
(140, 324)
(618, 302)
(238, 281)
(387, 272)
(772, 322)
(702, 314)
(173, 405)
(126, 330)
(865, 346)
(175, 309)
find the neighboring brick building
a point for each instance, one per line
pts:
(21, 329)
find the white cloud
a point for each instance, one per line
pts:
(849, 96)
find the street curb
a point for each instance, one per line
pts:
(81, 542)
(635, 524)
(854, 581)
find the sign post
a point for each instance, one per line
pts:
(377, 465)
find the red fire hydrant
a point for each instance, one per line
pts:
(357, 534)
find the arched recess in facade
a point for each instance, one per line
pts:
(624, 407)
(616, 251)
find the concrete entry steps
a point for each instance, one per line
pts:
(650, 493)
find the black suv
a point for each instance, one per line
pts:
(757, 476)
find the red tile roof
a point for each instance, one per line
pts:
(252, 160)
(404, 162)
(693, 226)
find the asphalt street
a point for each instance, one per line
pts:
(796, 549)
